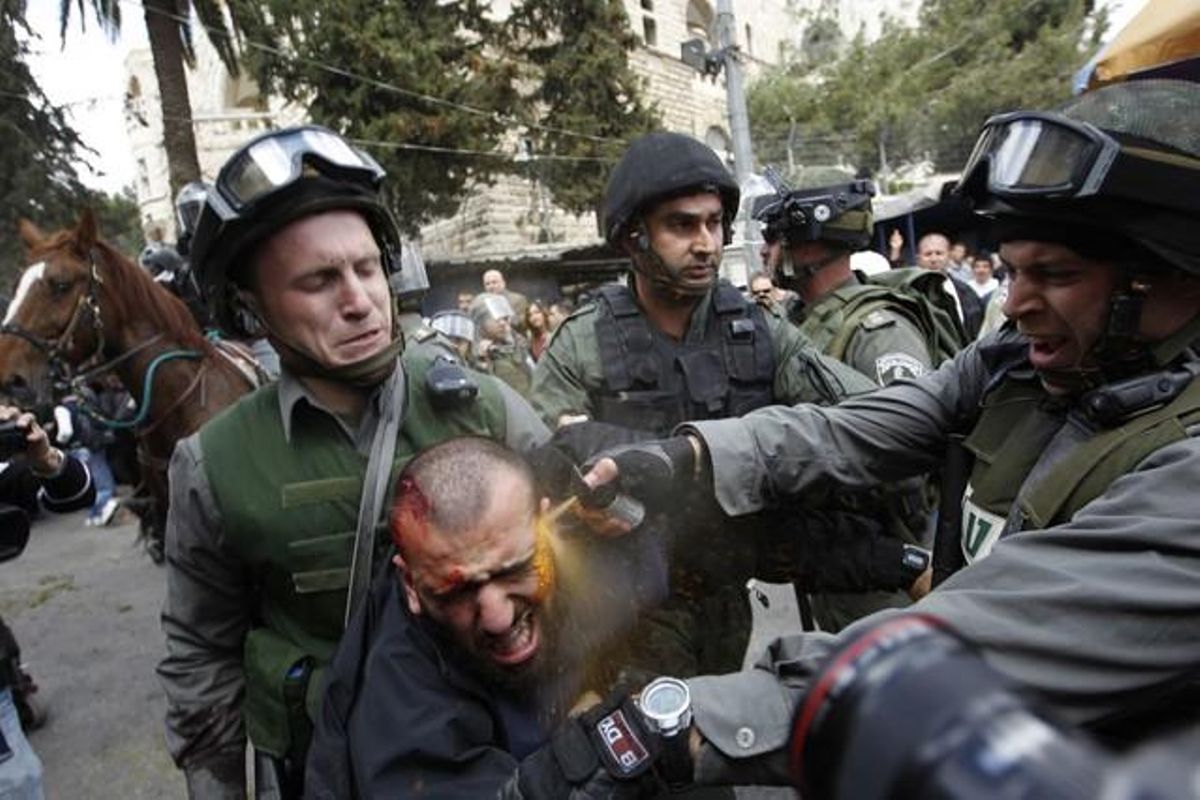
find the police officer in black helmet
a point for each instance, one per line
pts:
(271, 531)
(676, 343)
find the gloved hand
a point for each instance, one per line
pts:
(653, 471)
(606, 753)
(221, 777)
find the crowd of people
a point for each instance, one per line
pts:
(521, 549)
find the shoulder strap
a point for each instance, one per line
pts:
(855, 311)
(1086, 474)
(375, 486)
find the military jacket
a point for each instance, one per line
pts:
(884, 344)
(1091, 605)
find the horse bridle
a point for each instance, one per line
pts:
(54, 349)
(64, 376)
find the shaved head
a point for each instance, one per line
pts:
(450, 486)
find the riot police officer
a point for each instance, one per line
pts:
(678, 343)
(271, 531)
(808, 238)
(1078, 517)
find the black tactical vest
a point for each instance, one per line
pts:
(653, 382)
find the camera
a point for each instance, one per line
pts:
(908, 709)
(12, 440)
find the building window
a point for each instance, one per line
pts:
(699, 20)
(649, 31)
(749, 41)
(143, 176)
(647, 5)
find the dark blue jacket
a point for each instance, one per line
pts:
(399, 720)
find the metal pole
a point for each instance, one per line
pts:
(739, 120)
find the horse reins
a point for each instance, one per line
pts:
(67, 378)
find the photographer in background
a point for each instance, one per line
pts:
(33, 475)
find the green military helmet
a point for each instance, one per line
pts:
(1114, 173)
(839, 213)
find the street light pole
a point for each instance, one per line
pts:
(739, 121)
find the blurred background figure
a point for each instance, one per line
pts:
(537, 328)
(557, 312)
(460, 330)
(501, 350)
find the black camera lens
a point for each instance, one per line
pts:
(908, 709)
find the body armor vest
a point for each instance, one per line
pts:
(1018, 420)
(289, 510)
(653, 382)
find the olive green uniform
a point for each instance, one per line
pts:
(570, 375)
(857, 325)
(883, 343)
(705, 623)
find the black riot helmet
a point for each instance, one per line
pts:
(661, 166)
(1113, 173)
(158, 258)
(839, 213)
(188, 205)
(276, 179)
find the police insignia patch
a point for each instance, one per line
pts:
(891, 366)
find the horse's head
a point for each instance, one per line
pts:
(53, 320)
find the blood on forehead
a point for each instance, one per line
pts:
(410, 525)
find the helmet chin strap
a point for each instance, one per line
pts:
(363, 374)
(793, 275)
(659, 276)
(1118, 354)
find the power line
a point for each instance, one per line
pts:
(496, 116)
(486, 153)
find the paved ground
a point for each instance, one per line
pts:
(84, 604)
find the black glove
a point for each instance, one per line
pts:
(655, 471)
(606, 753)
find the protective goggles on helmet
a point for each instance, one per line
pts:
(278, 159)
(1029, 155)
(802, 214)
(454, 324)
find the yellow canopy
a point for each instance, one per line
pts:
(1163, 32)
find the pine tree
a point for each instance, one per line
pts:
(920, 94)
(416, 83)
(586, 101)
(37, 173)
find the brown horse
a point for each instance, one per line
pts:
(82, 310)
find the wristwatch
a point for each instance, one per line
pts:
(666, 706)
(913, 562)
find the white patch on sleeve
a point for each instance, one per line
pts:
(980, 529)
(30, 276)
(892, 366)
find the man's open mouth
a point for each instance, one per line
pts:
(518, 644)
